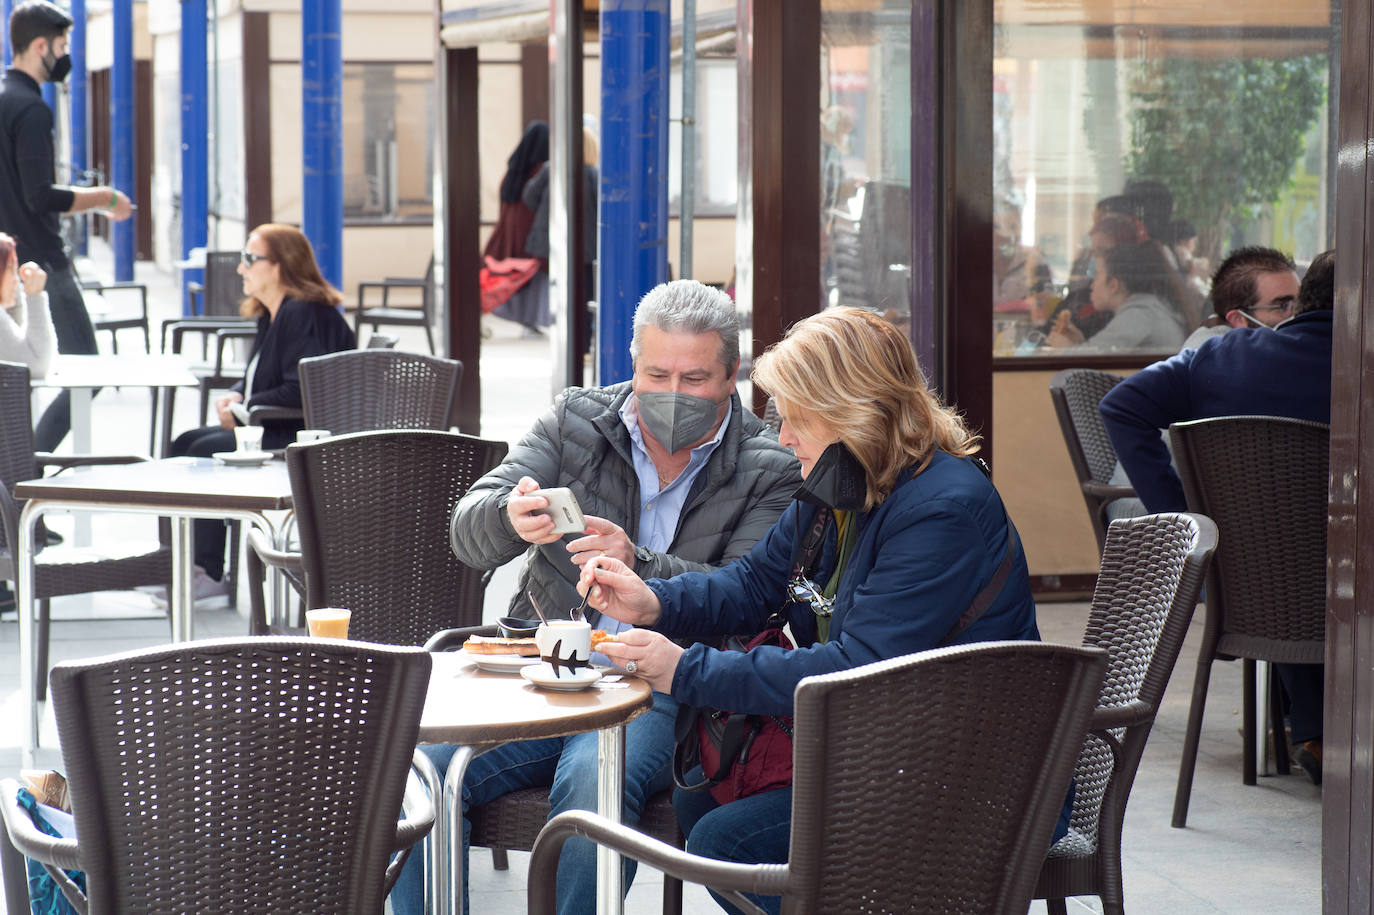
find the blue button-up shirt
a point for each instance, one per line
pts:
(659, 508)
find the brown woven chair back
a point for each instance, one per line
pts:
(252, 775)
(1263, 480)
(363, 390)
(16, 444)
(373, 510)
(932, 782)
(1147, 588)
(1076, 394)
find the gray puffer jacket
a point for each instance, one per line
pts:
(583, 445)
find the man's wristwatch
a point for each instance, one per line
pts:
(643, 554)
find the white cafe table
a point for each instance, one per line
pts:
(182, 488)
(82, 375)
(477, 711)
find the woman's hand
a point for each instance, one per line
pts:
(655, 656)
(522, 506)
(618, 592)
(33, 277)
(226, 419)
(607, 539)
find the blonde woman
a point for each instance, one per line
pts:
(26, 331)
(909, 539)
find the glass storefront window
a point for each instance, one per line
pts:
(865, 132)
(1134, 149)
(388, 141)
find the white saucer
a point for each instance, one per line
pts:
(242, 458)
(501, 663)
(542, 675)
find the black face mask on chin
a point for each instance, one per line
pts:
(836, 481)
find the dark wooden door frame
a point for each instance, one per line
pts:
(779, 163)
(951, 203)
(1348, 735)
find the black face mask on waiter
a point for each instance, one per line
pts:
(57, 67)
(836, 481)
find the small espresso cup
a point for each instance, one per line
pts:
(249, 438)
(328, 622)
(311, 435)
(564, 645)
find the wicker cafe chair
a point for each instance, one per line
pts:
(1262, 603)
(886, 818)
(62, 570)
(244, 775)
(512, 821)
(373, 512)
(1076, 394)
(1147, 587)
(370, 389)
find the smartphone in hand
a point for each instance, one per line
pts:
(563, 508)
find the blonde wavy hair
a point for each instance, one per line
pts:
(854, 373)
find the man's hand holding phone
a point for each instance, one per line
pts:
(543, 515)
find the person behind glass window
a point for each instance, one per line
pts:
(1143, 293)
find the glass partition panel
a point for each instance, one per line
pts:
(865, 114)
(1136, 146)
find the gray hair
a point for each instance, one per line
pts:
(686, 306)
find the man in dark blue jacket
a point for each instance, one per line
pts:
(1285, 371)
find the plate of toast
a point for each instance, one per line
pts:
(500, 655)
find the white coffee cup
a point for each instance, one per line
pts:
(564, 645)
(311, 435)
(249, 438)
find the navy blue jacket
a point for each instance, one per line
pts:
(1244, 372)
(920, 559)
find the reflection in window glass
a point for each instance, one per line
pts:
(388, 127)
(866, 156)
(1130, 157)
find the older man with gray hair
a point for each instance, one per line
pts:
(673, 475)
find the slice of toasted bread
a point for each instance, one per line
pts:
(481, 644)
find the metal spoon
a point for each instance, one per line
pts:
(535, 604)
(577, 611)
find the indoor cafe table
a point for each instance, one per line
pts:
(182, 488)
(477, 711)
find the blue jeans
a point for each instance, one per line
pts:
(567, 766)
(751, 830)
(75, 334)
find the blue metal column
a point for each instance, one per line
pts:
(123, 137)
(195, 130)
(76, 104)
(6, 7)
(634, 170)
(322, 126)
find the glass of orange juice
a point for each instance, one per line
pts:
(328, 622)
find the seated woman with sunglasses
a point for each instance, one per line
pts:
(909, 541)
(297, 316)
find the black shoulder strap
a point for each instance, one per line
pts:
(812, 542)
(991, 591)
